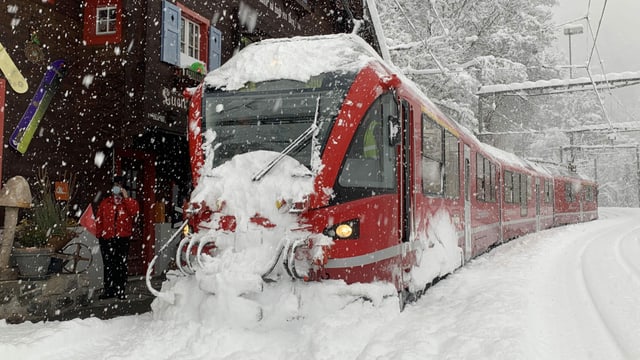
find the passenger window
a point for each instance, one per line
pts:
(370, 163)
(451, 166)
(548, 191)
(525, 187)
(480, 179)
(516, 188)
(485, 179)
(588, 193)
(432, 156)
(508, 187)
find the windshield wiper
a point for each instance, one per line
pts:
(296, 143)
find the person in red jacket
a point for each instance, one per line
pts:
(114, 225)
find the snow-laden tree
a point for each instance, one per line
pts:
(451, 48)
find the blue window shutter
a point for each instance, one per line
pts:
(170, 35)
(215, 48)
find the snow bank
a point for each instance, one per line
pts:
(439, 253)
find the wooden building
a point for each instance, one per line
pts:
(119, 108)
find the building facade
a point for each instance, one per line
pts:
(119, 108)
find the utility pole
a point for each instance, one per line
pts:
(638, 171)
(572, 30)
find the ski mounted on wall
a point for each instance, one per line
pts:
(14, 76)
(22, 135)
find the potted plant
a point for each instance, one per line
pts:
(45, 229)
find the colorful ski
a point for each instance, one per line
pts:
(22, 135)
(14, 76)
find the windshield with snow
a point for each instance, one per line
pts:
(272, 114)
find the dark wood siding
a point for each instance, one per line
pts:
(120, 96)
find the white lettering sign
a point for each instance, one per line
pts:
(174, 99)
(157, 117)
(281, 12)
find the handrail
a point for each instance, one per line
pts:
(170, 298)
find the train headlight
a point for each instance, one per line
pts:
(349, 229)
(344, 231)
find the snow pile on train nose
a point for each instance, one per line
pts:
(249, 251)
(230, 186)
(234, 271)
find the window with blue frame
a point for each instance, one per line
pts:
(188, 40)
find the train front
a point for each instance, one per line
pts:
(258, 128)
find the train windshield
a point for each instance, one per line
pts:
(270, 115)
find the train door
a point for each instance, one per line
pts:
(139, 172)
(500, 199)
(467, 203)
(581, 216)
(369, 187)
(538, 199)
(405, 162)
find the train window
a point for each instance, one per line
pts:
(568, 191)
(588, 193)
(485, 179)
(480, 180)
(451, 166)
(270, 115)
(492, 188)
(516, 188)
(508, 187)
(370, 164)
(548, 191)
(432, 156)
(525, 188)
(467, 170)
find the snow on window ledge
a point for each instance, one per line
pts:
(188, 62)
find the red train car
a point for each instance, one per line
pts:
(320, 161)
(575, 198)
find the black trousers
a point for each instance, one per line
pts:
(114, 259)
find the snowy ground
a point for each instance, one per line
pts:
(566, 293)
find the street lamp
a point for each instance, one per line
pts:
(572, 30)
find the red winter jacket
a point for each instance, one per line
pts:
(116, 219)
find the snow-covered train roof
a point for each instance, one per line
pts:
(563, 171)
(545, 169)
(513, 160)
(297, 58)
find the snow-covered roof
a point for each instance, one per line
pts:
(561, 170)
(297, 58)
(512, 159)
(529, 85)
(545, 169)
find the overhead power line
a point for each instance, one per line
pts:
(595, 40)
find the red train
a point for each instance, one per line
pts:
(317, 160)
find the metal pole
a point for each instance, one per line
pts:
(572, 30)
(595, 167)
(638, 172)
(570, 64)
(572, 157)
(480, 114)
